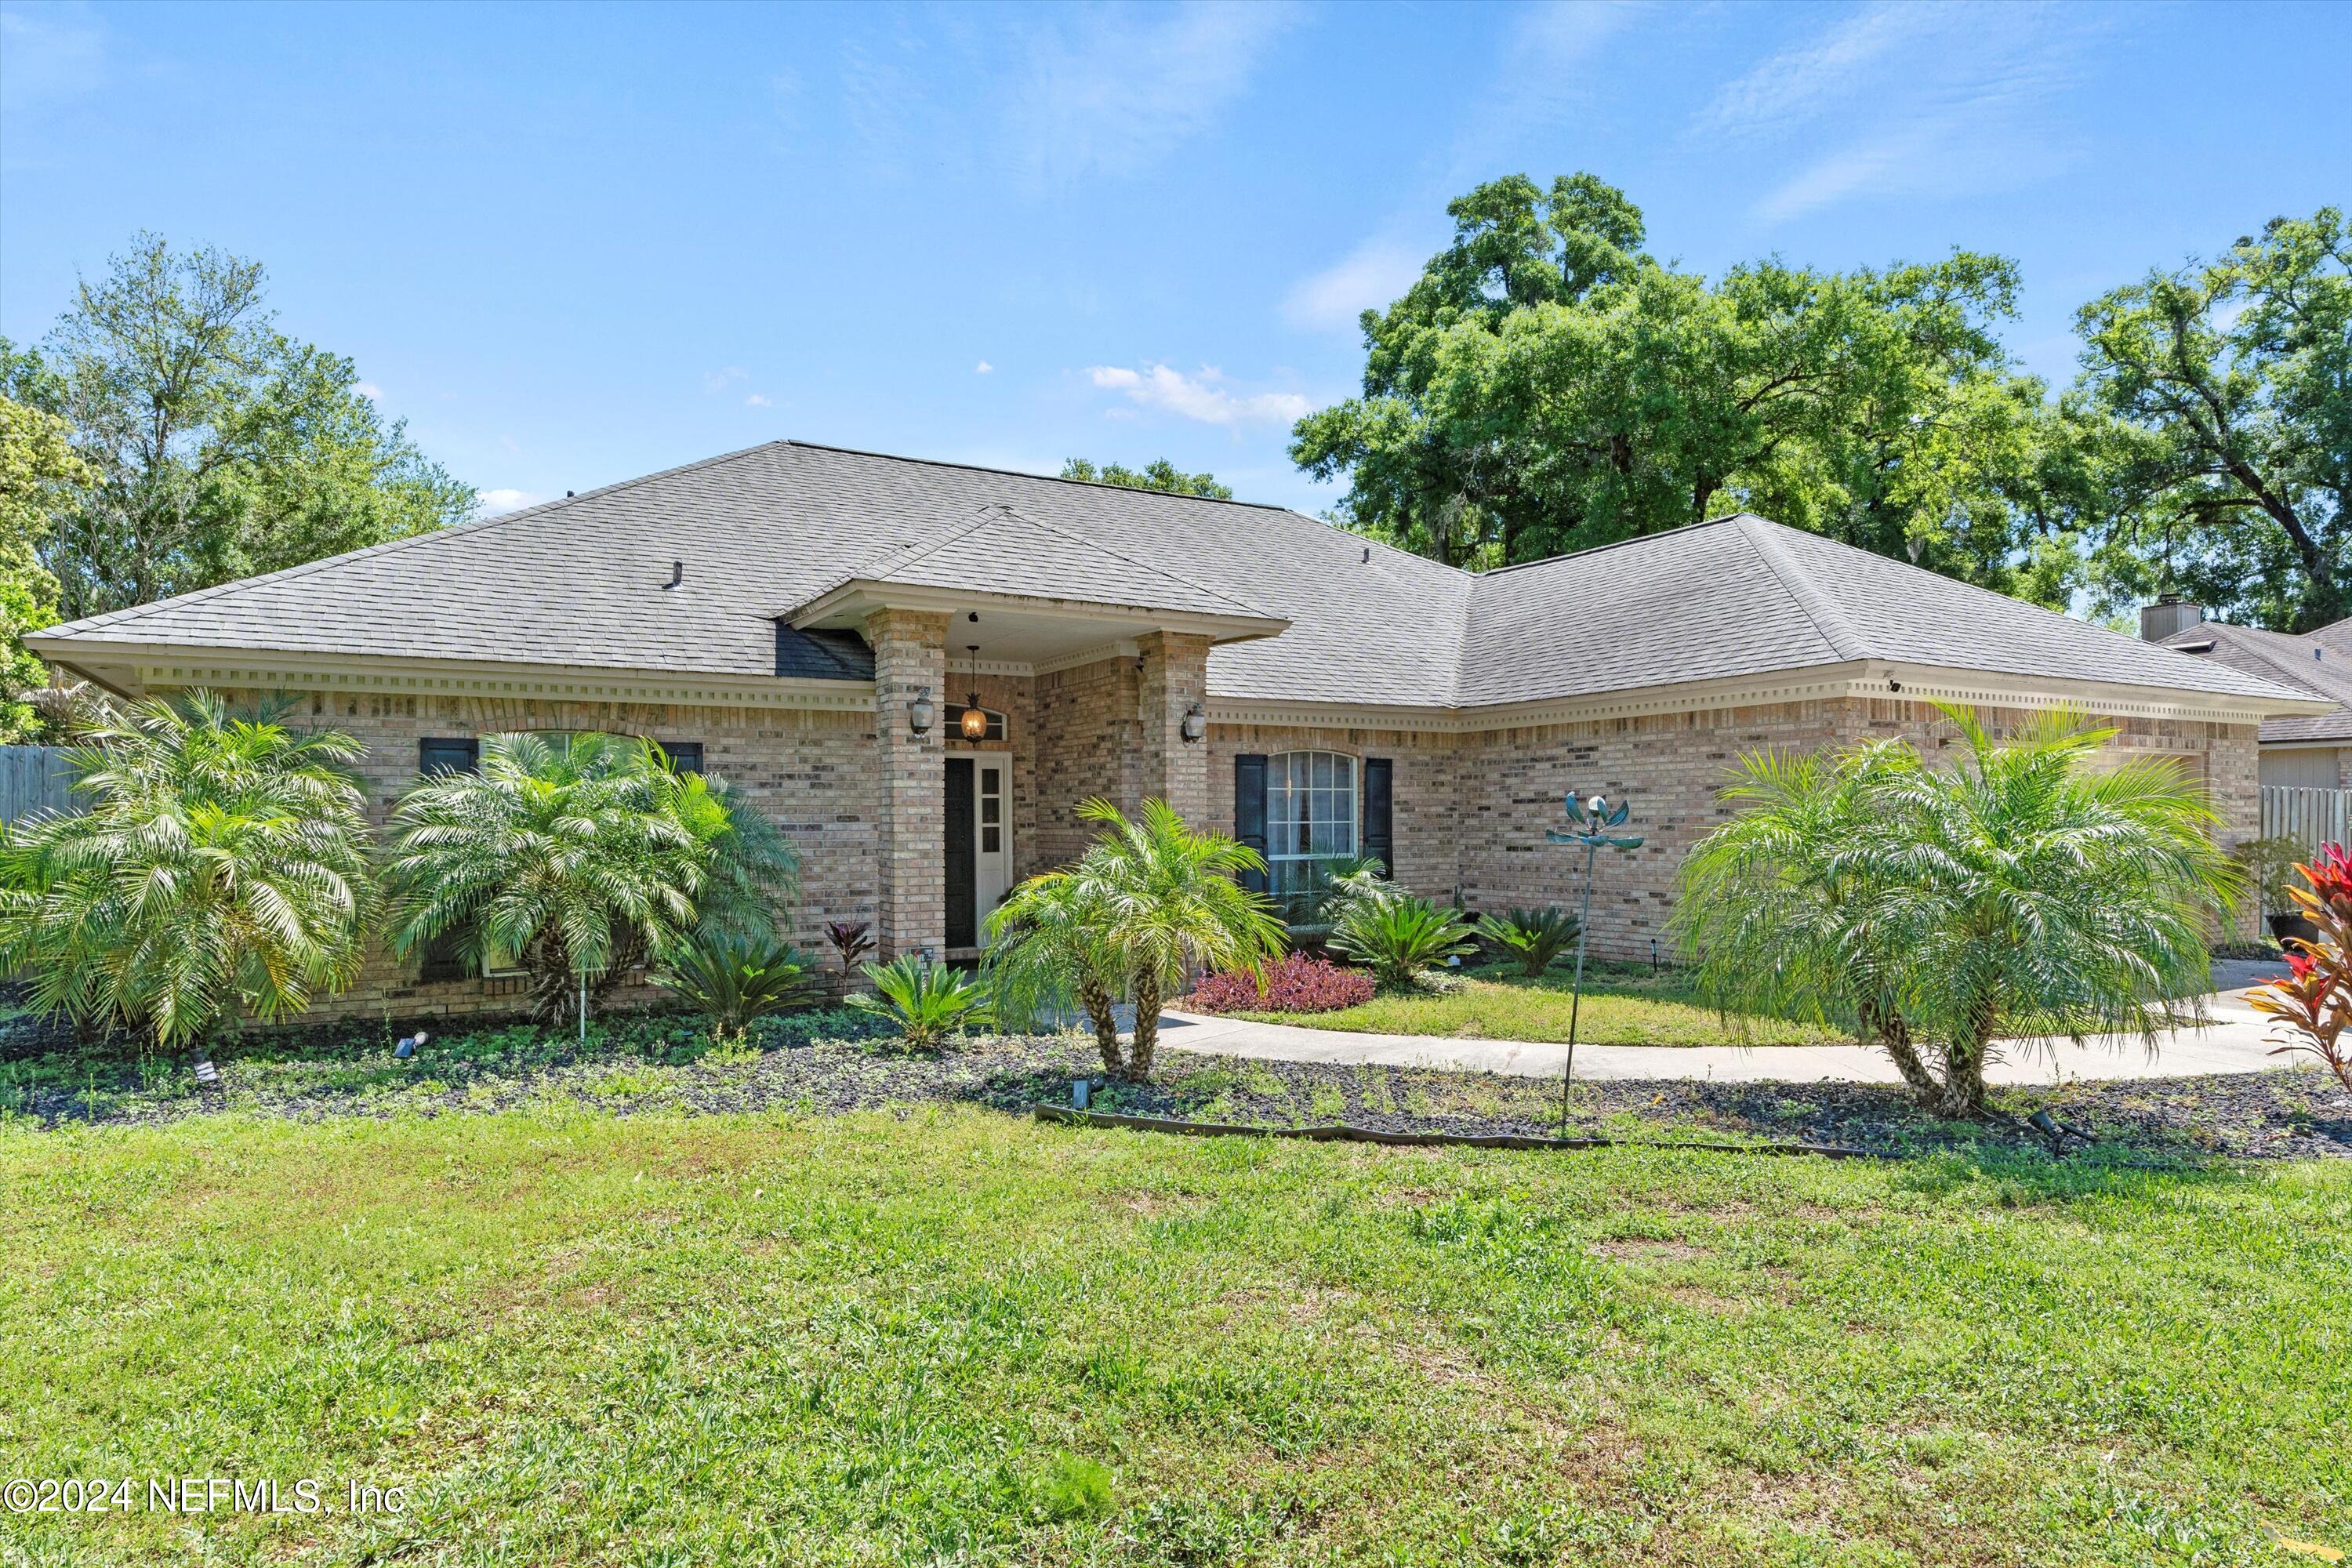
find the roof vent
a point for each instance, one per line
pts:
(677, 573)
(567, 495)
(2168, 617)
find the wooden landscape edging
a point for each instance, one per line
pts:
(1341, 1132)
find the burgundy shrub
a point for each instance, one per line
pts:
(1299, 984)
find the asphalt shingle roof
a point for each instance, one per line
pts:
(762, 532)
(2319, 664)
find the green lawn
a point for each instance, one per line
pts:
(953, 1336)
(1623, 1005)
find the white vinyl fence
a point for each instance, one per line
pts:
(34, 778)
(2310, 816)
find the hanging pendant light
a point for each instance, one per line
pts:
(975, 717)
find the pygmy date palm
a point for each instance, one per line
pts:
(1939, 910)
(574, 860)
(220, 870)
(1148, 900)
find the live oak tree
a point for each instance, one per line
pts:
(2218, 403)
(215, 445)
(1158, 474)
(1547, 385)
(38, 473)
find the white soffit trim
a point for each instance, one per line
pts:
(1863, 680)
(158, 667)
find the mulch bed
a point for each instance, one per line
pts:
(664, 1067)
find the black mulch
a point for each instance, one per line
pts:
(815, 1064)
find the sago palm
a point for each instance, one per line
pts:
(1170, 897)
(220, 871)
(575, 860)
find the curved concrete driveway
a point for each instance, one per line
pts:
(2237, 1040)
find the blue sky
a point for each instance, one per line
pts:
(570, 245)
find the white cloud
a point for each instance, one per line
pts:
(982, 368)
(758, 400)
(1197, 397)
(1369, 278)
(369, 390)
(510, 444)
(722, 379)
(1112, 91)
(497, 502)
(1909, 100)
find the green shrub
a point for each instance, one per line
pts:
(1399, 940)
(1532, 938)
(928, 1002)
(220, 872)
(576, 859)
(735, 979)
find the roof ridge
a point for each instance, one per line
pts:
(1818, 607)
(128, 613)
(1024, 474)
(1597, 549)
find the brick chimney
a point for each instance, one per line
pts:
(2167, 615)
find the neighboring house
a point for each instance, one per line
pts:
(796, 612)
(2299, 750)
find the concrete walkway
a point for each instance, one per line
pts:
(2237, 1041)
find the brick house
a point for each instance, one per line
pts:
(812, 625)
(2299, 750)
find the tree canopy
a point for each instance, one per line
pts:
(38, 471)
(1160, 474)
(2217, 400)
(1548, 385)
(213, 446)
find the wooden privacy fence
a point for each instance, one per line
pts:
(34, 778)
(2310, 816)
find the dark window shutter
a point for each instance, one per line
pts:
(686, 756)
(1249, 812)
(1380, 811)
(441, 961)
(448, 756)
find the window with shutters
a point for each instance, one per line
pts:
(1310, 817)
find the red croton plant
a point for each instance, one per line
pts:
(2316, 999)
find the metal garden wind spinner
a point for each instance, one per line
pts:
(1591, 823)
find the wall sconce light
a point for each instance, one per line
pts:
(1196, 722)
(921, 711)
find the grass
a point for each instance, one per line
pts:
(947, 1335)
(1624, 1005)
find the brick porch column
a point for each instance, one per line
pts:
(1175, 676)
(909, 654)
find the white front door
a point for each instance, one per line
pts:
(991, 838)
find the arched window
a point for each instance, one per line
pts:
(1310, 816)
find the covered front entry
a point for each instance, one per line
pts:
(979, 844)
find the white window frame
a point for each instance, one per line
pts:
(1308, 822)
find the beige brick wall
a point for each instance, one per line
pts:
(1174, 678)
(910, 659)
(1089, 744)
(812, 771)
(1472, 810)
